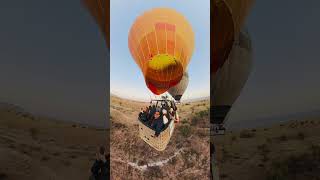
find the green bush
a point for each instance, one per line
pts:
(185, 130)
(194, 121)
(184, 121)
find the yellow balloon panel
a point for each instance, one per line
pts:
(164, 72)
(161, 42)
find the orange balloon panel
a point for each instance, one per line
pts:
(161, 42)
(100, 10)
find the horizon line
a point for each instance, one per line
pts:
(147, 100)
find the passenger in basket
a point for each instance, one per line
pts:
(165, 117)
(151, 112)
(173, 115)
(143, 115)
(157, 123)
(147, 110)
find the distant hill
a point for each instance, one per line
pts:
(8, 106)
(139, 100)
(268, 121)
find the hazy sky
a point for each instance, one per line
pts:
(126, 77)
(53, 60)
(285, 77)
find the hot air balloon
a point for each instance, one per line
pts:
(161, 42)
(177, 91)
(231, 77)
(227, 85)
(228, 19)
(100, 10)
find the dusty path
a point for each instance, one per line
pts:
(158, 163)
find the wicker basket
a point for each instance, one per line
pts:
(159, 143)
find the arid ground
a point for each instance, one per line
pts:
(186, 156)
(287, 151)
(36, 148)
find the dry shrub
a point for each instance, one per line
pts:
(283, 138)
(142, 162)
(153, 172)
(73, 156)
(247, 134)
(45, 158)
(173, 161)
(184, 121)
(302, 166)
(234, 138)
(185, 130)
(34, 133)
(194, 120)
(301, 136)
(56, 154)
(66, 163)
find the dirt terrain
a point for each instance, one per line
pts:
(186, 156)
(288, 151)
(37, 148)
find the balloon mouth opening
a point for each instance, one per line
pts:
(163, 72)
(178, 97)
(159, 89)
(219, 113)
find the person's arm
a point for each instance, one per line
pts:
(159, 127)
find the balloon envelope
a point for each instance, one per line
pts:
(161, 42)
(223, 35)
(232, 76)
(100, 10)
(178, 90)
(228, 19)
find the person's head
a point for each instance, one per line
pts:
(102, 150)
(157, 114)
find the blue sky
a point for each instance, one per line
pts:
(126, 79)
